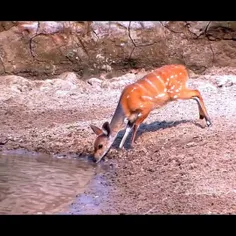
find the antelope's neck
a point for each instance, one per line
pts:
(117, 121)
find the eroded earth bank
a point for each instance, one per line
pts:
(177, 165)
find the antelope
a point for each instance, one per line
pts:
(137, 100)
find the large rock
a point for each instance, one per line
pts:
(44, 49)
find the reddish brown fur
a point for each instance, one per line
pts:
(139, 99)
(165, 84)
(135, 100)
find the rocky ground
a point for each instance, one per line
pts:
(177, 166)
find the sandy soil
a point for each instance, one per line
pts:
(177, 166)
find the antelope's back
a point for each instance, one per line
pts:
(179, 72)
(154, 86)
(165, 73)
(160, 79)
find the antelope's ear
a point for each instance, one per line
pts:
(107, 129)
(96, 130)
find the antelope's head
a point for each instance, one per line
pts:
(102, 142)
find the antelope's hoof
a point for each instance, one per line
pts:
(208, 122)
(131, 146)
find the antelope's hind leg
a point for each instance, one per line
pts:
(195, 94)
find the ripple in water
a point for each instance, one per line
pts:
(40, 185)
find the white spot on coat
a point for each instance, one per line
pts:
(147, 97)
(160, 95)
(158, 77)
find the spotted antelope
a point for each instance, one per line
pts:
(137, 100)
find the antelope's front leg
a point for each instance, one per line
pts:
(127, 131)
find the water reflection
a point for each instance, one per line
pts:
(40, 184)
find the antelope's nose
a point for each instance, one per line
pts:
(92, 158)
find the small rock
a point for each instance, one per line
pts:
(226, 81)
(69, 76)
(95, 82)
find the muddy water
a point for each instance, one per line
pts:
(40, 184)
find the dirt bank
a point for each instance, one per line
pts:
(177, 165)
(36, 49)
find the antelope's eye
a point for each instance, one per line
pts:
(100, 146)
